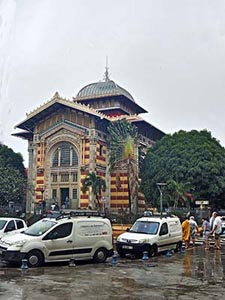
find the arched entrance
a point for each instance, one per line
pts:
(64, 174)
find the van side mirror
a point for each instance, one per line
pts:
(128, 229)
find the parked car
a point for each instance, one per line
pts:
(153, 234)
(61, 239)
(11, 224)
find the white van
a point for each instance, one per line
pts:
(60, 239)
(153, 234)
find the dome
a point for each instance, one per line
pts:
(102, 89)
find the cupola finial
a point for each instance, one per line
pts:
(106, 74)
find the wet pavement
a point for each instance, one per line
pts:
(196, 274)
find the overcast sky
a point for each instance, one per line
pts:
(169, 54)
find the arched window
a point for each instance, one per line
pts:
(65, 156)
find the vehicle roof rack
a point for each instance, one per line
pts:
(80, 213)
(158, 215)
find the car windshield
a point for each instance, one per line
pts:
(40, 227)
(145, 227)
(2, 223)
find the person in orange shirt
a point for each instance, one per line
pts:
(186, 230)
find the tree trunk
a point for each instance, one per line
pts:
(132, 188)
(91, 200)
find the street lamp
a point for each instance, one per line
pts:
(160, 186)
(43, 203)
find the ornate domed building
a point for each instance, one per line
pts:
(68, 139)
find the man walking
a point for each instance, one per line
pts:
(216, 229)
(186, 229)
(212, 219)
(194, 229)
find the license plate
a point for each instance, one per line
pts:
(127, 247)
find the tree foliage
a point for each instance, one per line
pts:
(10, 159)
(194, 158)
(177, 194)
(12, 176)
(122, 144)
(97, 185)
(123, 156)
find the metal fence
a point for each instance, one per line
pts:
(13, 210)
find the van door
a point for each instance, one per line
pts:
(59, 242)
(91, 235)
(164, 238)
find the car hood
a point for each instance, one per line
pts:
(12, 232)
(130, 237)
(16, 237)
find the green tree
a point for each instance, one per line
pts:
(96, 185)
(12, 176)
(10, 159)
(193, 157)
(123, 155)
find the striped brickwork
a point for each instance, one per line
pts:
(40, 183)
(100, 167)
(119, 190)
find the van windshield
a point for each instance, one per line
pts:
(145, 227)
(40, 227)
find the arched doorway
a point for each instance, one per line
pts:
(64, 175)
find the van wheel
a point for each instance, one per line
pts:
(35, 258)
(152, 251)
(100, 255)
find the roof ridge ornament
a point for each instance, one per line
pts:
(56, 95)
(106, 74)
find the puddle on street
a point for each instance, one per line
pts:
(196, 274)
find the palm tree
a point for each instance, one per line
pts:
(180, 191)
(123, 154)
(96, 186)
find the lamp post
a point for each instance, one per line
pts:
(160, 186)
(43, 203)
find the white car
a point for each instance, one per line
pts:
(11, 225)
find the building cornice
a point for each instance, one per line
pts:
(57, 100)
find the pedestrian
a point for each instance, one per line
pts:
(217, 230)
(56, 207)
(193, 229)
(206, 230)
(43, 206)
(67, 202)
(186, 229)
(211, 221)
